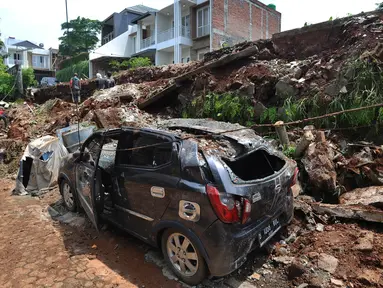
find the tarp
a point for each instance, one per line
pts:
(39, 166)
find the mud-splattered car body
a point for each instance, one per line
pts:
(226, 193)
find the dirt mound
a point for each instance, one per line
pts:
(10, 155)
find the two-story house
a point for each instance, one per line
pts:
(28, 54)
(183, 31)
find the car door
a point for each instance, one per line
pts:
(147, 177)
(87, 176)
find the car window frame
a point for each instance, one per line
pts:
(85, 144)
(148, 168)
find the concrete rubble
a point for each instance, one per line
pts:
(340, 178)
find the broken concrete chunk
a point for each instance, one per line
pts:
(286, 260)
(343, 90)
(366, 196)
(336, 282)
(319, 227)
(361, 212)
(327, 262)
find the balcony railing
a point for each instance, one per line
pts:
(203, 30)
(107, 38)
(12, 61)
(169, 34)
(185, 31)
(165, 35)
(148, 42)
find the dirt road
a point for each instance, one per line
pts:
(39, 252)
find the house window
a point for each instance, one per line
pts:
(185, 29)
(203, 22)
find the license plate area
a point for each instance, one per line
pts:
(268, 231)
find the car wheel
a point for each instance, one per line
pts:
(183, 256)
(68, 196)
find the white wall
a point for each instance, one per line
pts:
(164, 58)
(118, 47)
(164, 22)
(185, 54)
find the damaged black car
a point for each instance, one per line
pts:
(206, 200)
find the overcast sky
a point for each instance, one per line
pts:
(40, 20)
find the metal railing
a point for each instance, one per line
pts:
(203, 30)
(147, 42)
(107, 38)
(165, 35)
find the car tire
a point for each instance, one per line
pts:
(68, 196)
(187, 263)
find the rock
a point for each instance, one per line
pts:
(365, 242)
(369, 277)
(320, 167)
(343, 90)
(265, 54)
(297, 73)
(255, 276)
(304, 285)
(284, 89)
(313, 255)
(337, 282)
(284, 259)
(295, 270)
(282, 251)
(319, 227)
(259, 109)
(332, 60)
(316, 282)
(332, 90)
(327, 262)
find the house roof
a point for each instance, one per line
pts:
(141, 9)
(135, 20)
(26, 44)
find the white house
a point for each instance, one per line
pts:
(30, 55)
(181, 32)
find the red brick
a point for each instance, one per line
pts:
(218, 15)
(238, 21)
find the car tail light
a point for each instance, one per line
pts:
(246, 211)
(227, 208)
(295, 177)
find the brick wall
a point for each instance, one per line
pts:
(235, 21)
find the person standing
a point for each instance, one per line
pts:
(75, 85)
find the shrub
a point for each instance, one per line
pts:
(230, 107)
(81, 68)
(132, 63)
(28, 78)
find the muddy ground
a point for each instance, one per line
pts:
(43, 245)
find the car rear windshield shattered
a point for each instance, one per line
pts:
(256, 165)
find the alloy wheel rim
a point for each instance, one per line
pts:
(68, 196)
(182, 254)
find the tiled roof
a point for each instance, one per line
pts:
(141, 9)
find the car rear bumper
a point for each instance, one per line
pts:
(228, 245)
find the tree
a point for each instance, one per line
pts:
(379, 6)
(82, 36)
